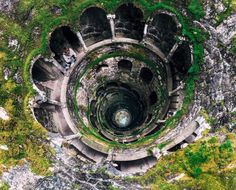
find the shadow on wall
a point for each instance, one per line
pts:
(162, 30)
(62, 38)
(129, 22)
(94, 25)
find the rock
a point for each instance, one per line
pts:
(53, 183)
(7, 73)
(56, 10)
(69, 172)
(218, 70)
(20, 178)
(227, 29)
(213, 8)
(36, 33)
(18, 78)
(13, 44)
(3, 114)
(56, 139)
(8, 6)
(4, 147)
(19, 99)
(184, 145)
(220, 7)
(29, 16)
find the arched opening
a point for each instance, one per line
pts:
(129, 21)
(152, 98)
(100, 92)
(94, 25)
(45, 117)
(125, 65)
(182, 58)
(62, 38)
(146, 75)
(43, 71)
(162, 30)
(101, 67)
(175, 148)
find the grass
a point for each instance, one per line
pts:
(111, 187)
(210, 120)
(23, 137)
(233, 47)
(207, 164)
(230, 7)
(195, 8)
(4, 186)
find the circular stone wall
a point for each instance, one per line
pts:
(111, 88)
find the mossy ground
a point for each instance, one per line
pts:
(208, 164)
(230, 7)
(4, 186)
(26, 138)
(233, 46)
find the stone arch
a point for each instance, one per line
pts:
(162, 30)
(94, 25)
(61, 38)
(43, 71)
(146, 75)
(182, 58)
(153, 98)
(129, 21)
(125, 65)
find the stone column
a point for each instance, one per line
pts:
(111, 18)
(57, 65)
(180, 87)
(82, 41)
(172, 51)
(145, 30)
(175, 47)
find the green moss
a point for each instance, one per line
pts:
(4, 186)
(203, 163)
(230, 8)
(227, 146)
(76, 187)
(111, 187)
(210, 120)
(195, 159)
(233, 47)
(196, 9)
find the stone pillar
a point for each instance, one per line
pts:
(180, 87)
(145, 30)
(172, 51)
(82, 41)
(161, 121)
(175, 47)
(57, 65)
(111, 18)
